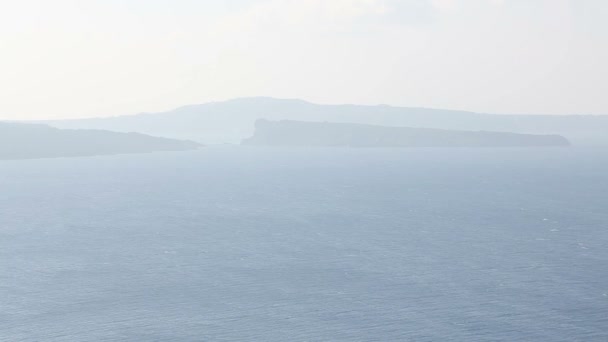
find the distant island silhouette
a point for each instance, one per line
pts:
(299, 133)
(26, 141)
(233, 120)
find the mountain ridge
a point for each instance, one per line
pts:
(233, 120)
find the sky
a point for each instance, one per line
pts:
(89, 58)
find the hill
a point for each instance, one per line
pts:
(23, 141)
(231, 121)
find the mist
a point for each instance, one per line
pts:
(72, 59)
(303, 170)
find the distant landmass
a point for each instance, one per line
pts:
(232, 121)
(299, 133)
(24, 141)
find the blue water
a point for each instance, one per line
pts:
(255, 244)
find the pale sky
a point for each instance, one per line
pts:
(86, 58)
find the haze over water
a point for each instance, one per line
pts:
(303, 170)
(327, 244)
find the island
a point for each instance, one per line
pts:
(26, 141)
(301, 133)
(233, 120)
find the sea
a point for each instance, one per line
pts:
(231, 243)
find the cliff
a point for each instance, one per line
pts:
(232, 121)
(298, 133)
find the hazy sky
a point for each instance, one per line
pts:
(81, 58)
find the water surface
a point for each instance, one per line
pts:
(256, 244)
